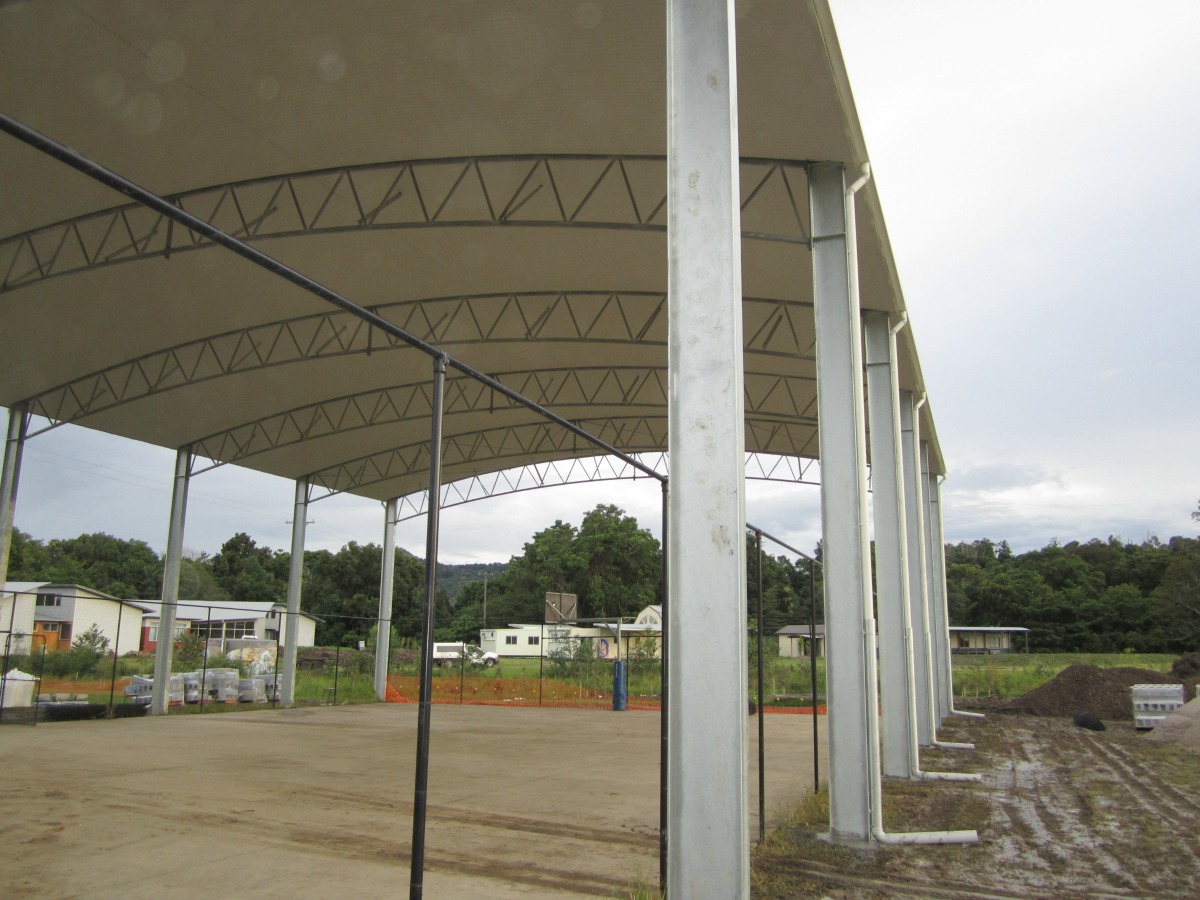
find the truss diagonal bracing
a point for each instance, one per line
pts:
(773, 328)
(566, 191)
(556, 473)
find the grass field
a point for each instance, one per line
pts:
(1014, 674)
(786, 682)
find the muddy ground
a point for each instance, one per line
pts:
(1061, 812)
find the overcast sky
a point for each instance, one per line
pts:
(1037, 165)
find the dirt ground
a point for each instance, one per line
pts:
(528, 803)
(318, 802)
(1061, 812)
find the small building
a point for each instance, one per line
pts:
(794, 640)
(985, 639)
(514, 640)
(612, 639)
(56, 614)
(227, 621)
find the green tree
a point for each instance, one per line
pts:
(88, 648)
(547, 564)
(245, 571)
(126, 569)
(1177, 601)
(197, 584)
(617, 565)
(342, 589)
(189, 652)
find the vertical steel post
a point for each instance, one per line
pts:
(295, 583)
(337, 667)
(383, 627)
(112, 688)
(10, 474)
(417, 860)
(204, 674)
(170, 592)
(664, 739)
(275, 679)
(762, 751)
(914, 512)
(891, 545)
(708, 825)
(941, 599)
(812, 668)
(932, 616)
(845, 558)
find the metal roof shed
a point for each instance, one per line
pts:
(494, 180)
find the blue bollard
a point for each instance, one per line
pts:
(619, 690)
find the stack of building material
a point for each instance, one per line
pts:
(252, 690)
(221, 685)
(1154, 702)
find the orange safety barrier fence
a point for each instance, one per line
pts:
(529, 692)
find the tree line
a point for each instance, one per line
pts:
(1098, 596)
(1094, 597)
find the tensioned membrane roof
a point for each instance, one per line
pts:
(489, 176)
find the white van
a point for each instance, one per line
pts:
(450, 655)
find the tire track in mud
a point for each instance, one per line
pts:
(1170, 815)
(1136, 774)
(1043, 807)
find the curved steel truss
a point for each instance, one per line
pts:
(759, 466)
(565, 390)
(539, 442)
(623, 192)
(772, 327)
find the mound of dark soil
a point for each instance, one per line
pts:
(1187, 666)
(1088, 689)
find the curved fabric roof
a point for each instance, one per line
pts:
(490, 177)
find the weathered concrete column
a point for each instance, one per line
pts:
(170, 591)
(914, 512)
(291, 628)
(708, 853)
(891, 546)
(10, 474)
(383, 626)
(846, 560)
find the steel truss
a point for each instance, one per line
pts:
(772, 327)
(565, 389)
(557, 473)
(590, 191)
(539, 441)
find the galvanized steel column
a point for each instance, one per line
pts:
(708, 851)
(14, 448)
(891, 545)
(383, 627)
(845, 554)
(940, 599)
(932, 599)
(295, 582)
(914, 518)
(170, 591)
(416, 867)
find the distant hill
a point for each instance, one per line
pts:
(452, 579)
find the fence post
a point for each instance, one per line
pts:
(112, 689)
